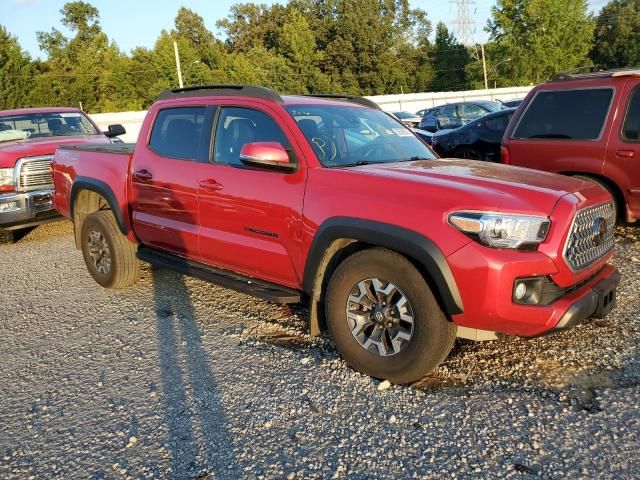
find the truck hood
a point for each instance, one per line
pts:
(10, 152)
(480, 185)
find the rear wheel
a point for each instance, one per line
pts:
(110, 257)
(384, 318)
(616, 202)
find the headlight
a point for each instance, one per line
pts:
(6, 177)
(499, 230)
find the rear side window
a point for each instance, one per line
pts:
(239, 126)
(498, 123)
(181, 133)
(566, 114)
(631, 128)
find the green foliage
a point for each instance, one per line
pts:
(617, 35)
(541, 37)
(345, 46)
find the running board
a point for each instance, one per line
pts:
(251, 286)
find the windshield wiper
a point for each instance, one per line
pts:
(417, 158)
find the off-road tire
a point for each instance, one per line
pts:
(125, 266)
(433, 334)
(7, 236)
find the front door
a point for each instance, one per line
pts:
(623, 153)
(164, 179)
(251, 219)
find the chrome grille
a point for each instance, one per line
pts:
(591, 236)
(34, 174)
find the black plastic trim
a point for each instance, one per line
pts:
(235, 281)
(404, 241)
(101, 188)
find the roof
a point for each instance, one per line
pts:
(251, 91)
(26, 111)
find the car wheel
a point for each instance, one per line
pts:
(616, 203)
(7, 236)
(384, 318)
(110, 257)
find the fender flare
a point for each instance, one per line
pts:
(101, 188)
(407, 242)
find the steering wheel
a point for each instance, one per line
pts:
(325, 147)
(368, 152)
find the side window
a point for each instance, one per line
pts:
(631, 127)
(498, 123)
(239, 126)
(566, 114)
(470, 110)
(181, 133)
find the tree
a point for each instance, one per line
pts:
(617, 35)
(541, 37)
(16, 72)
(450, 59)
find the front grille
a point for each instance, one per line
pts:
(34, 174)
(591, 236)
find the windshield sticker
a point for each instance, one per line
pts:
(70, 115)
(402, 132)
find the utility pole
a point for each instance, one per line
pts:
(484, 68)
(179, 70)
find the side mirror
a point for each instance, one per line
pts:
(269, 155)
(114, 131)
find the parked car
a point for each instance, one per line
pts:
(478, 140)
(424, 135)
(454, 115)
(409, 119)
(332, 200)
(585, 125)
(429, 120)
(28, 139)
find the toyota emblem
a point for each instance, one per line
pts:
(599, 231)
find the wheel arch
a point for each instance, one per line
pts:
(339, 237)
(89, 195)
(613, 188)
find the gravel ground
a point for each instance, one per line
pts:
(179, 378)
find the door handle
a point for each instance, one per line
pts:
(625, 153)
(210, 185)
(142, 175)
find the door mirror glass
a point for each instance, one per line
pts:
(270, 155)
(115, 131)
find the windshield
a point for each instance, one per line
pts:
(490, 106)
(38, 125)
(346, 136)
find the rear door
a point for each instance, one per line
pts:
(622, 162)
(251, 218)
(564, 130)
(164, 179)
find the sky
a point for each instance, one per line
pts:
(133, 23)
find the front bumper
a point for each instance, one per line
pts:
(485, 279)
(20, 210)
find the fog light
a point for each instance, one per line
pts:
(521, 290)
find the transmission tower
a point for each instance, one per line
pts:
(465, 26)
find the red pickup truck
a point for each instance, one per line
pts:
(585, 125)
(330, 200)
(28, 138)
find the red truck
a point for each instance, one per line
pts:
(585, 125)
(28, 139)
(329, 200)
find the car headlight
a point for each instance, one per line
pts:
(499, 230)
(6, 177)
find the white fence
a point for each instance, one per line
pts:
(411, 102)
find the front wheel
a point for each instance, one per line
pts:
(384, 318)
(110, 257)
(7, 236)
